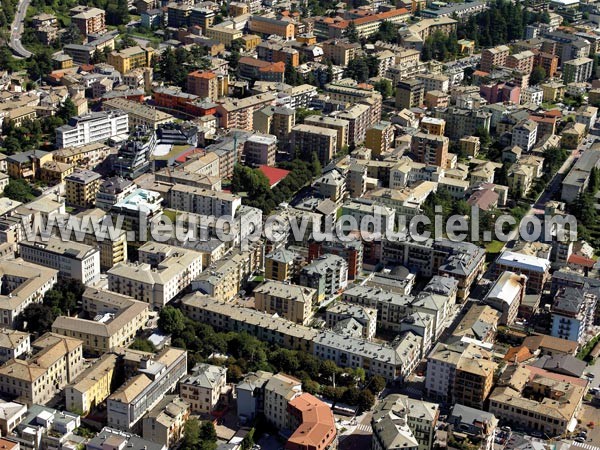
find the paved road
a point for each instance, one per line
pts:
(16, 30)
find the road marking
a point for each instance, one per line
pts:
(367, 428)
(586, 446)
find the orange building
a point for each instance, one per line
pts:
(548, 61)
(203, 84)
(313, 422)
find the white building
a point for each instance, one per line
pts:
(13, 344)
(203, 387)
(524, 135)
(71, 259)
(279, 391)
(533, 94)
(92, 127)
(204, 201)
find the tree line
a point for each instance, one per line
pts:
(245, 353)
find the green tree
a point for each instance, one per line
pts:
(357, 69)
(384, 87)
(37, 318)
(143, 345)
(72, 35)
(365, 400)
(377, 383)
(67, 110)
(191, 435)
(352, 32)
(19, 190)
(171, 320)
(537, 75)
(303, 113)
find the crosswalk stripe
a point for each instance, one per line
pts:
(364, 427)
(586, 446)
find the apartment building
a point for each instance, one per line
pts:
(222, 316)
(379, 137)
(537, 270)
(352, 252)
(90, 21)
(202, 388)
(479, 426)
(313, 423)
(238, 113)
(272, 51)
(92, 386)
(400, 420)
(114, 321)
(442, 365)
(506, 296)
(203, 201)
(461, 122)
(573, 313)
(409, 93)
(290, 301)
(157, 376)
(430, 149)
(309, 139)
(13, 344)
(275, 120)
(130, 58)
(268, 26)
(71, 259)
(165, 423)
(479, 323)
(163, 272)
(86, 156)
(357, 320)
(327, 274)
(522, 61)
(224, 35)
(577, 70)
(108, 436)
(81, 188)
(473, 381)
(139, 114)
(56, 361)
(339, 52)
(554, 403)
(524, 135)
(369, 24)
(260, 149)
(333, 123)
(204, 84)
(92, 127)
(282, 265)
(279, 391)
(23, 283)
(494, 57)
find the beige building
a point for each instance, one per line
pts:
(93, 386)
(165, 423)
(130, 58)
(87, 156)
(163, 272)
(279, 391)
(379, 137)
(223, 35)
(470, 145)
(13, 344)
(56, 362)
(290, 301)
(202, 388)
(340, 52)
(114, 321)
(138, 113)
(23, 283)
(309, 139)
(333, 123)
(553, 404)
(473, 381)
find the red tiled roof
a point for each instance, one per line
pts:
(373, 17)
(274, 174)
(521, 353)
(185, 155)
(317, 429)
(581, 261)
(481, 73)
(484, 199)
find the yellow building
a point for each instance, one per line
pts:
(379, 137)
(572, 135)
(27, 164)
(93, 386)
(290, 301)
(121, 319)
(470, 145)
(553, 91)
(223, 35)
(251, 41)
(130, 58)
(55, 172)
(434, 125)
(473, 381)
(81, 188)
(87, 156)
(281, 265)
(18, 115)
